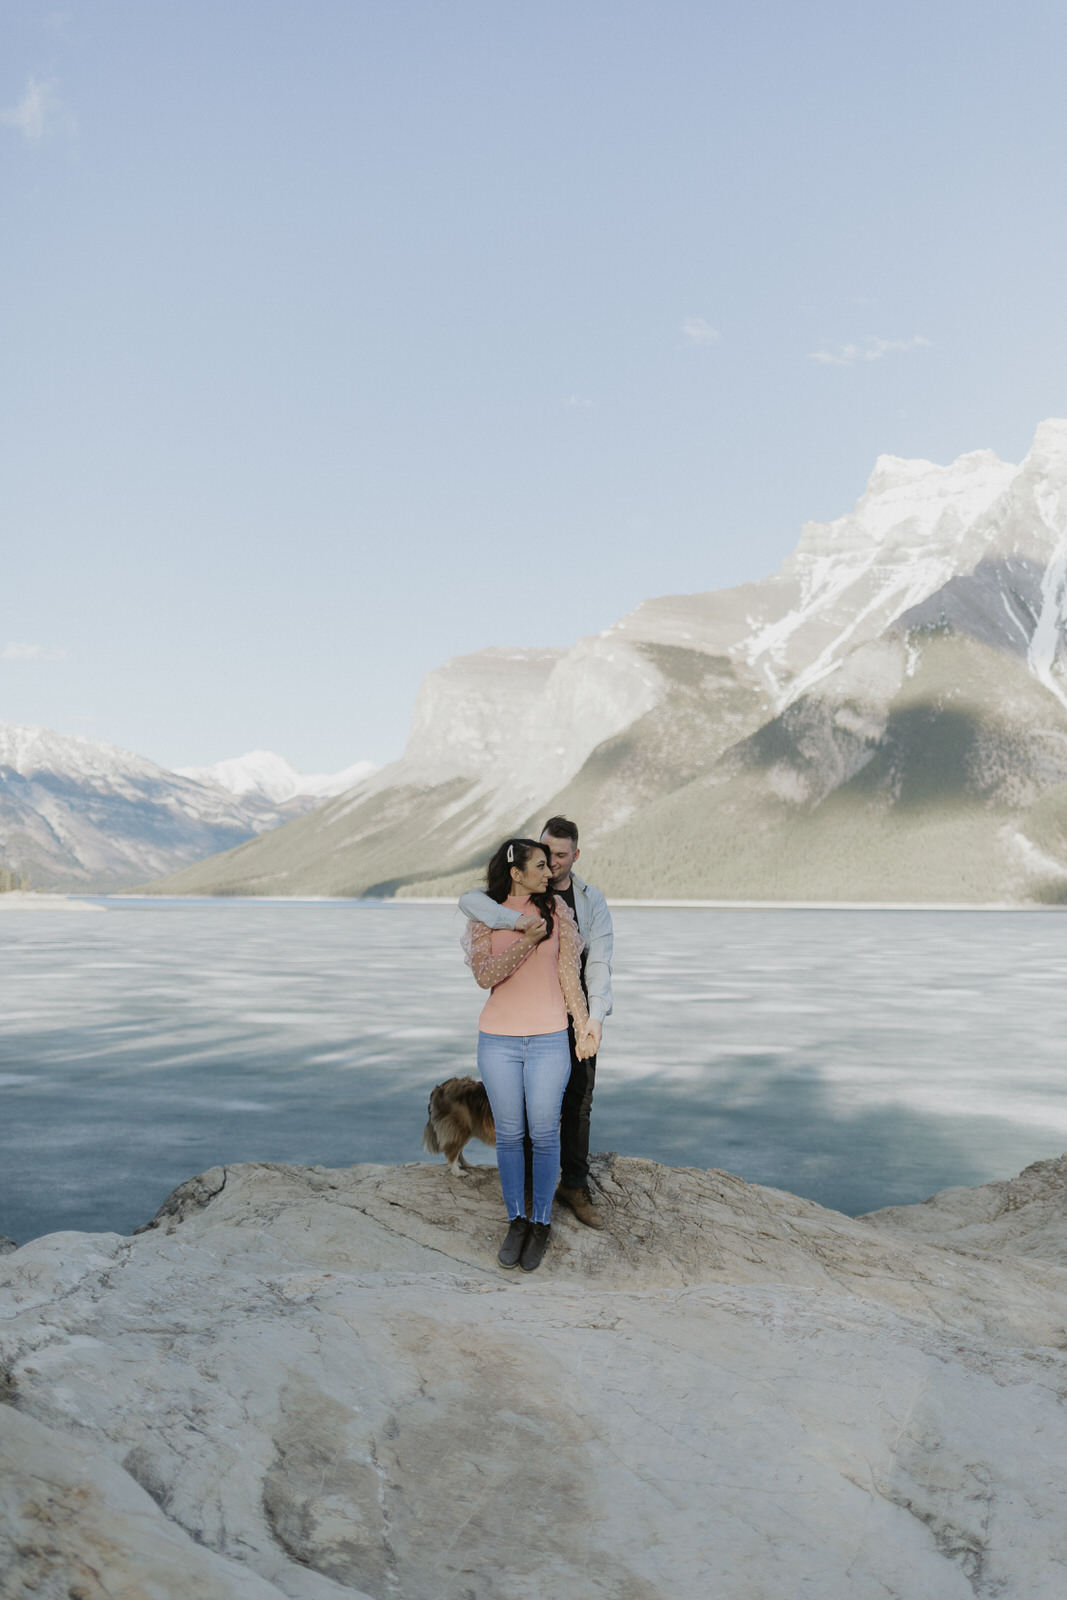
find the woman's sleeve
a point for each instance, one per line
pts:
(490, 969)
(570, 964)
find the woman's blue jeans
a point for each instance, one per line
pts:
(525, 1076)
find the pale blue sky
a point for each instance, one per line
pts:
(341, 337)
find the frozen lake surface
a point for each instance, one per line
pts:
(861, 1058)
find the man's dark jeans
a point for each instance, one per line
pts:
(574, 1122)
(573, 1125)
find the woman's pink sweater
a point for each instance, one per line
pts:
(530, 1000)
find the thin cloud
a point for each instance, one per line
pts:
(577, 402)
(871, 349)
(697, 331)
(16, 651)
(38, 112)
(58, 23)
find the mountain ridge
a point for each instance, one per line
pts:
(884, 714)
(78, 814)
(882, 718)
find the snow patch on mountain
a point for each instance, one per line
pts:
(1035, 862)
(908, 503)
(272, 777)
(29, 750)
(1050, 632)
(856, 574)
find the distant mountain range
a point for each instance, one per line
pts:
(885, 718)
(77, 814)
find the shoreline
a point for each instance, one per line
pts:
(20, 900)
(28, 900)
(793, 905)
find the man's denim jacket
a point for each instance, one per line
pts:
(594, 925)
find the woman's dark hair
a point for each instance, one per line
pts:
(516, 853)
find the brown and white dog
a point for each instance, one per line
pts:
(458, 1112)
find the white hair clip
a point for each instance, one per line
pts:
(511, 853)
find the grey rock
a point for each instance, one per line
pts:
(318, 1383)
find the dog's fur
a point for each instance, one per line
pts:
(458, 1112)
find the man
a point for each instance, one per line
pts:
(560, 839)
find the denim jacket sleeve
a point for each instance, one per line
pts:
(477, 907)
(599, 942)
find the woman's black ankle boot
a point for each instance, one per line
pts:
(514, 1240)
(533, 1250)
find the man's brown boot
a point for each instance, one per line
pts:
(580, 1203)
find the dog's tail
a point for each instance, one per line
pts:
(430, 1141)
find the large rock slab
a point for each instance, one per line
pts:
(79, 1527)
(318, 1383)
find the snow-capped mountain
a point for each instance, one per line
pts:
(271, 777)
(884, 717)
(76, 813)
(916, 527)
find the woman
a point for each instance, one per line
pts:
(523, 1054)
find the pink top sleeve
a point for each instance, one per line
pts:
(490, 969)
(570, 964)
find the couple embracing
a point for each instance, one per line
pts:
(541, 939)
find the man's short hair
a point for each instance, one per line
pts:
(560, 828)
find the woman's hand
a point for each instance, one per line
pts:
(535, 930)
(586, 1041)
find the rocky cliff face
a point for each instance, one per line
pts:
(317, 1384)
(886, 718)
